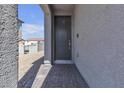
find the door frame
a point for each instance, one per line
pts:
(53, 37)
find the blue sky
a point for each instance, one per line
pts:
(33, 17)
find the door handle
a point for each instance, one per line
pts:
(69, 43)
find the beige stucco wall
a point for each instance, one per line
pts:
(99, 50)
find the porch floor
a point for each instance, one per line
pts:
(59, 76)
(64, 76)
(40, 75)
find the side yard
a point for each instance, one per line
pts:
(29, 65)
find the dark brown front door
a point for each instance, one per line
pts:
(62, 38)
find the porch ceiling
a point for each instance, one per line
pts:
(62, 7)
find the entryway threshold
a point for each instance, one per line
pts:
(63, 62)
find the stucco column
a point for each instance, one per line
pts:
(47, 52)
(8, 46)
(48, 31)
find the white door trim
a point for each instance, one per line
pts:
(63, 62)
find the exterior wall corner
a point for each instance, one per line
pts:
(8, 46)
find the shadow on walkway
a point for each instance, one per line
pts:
(27, 80)
(64, 76)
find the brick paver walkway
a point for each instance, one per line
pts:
(64, 76)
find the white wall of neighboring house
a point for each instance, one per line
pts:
(34, 46)
(28, 42)
(21, 47)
